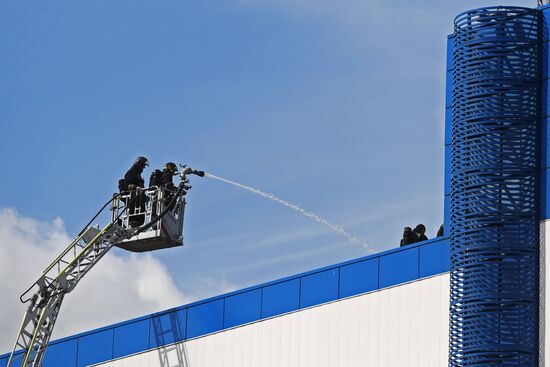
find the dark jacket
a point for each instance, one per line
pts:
(408, 237)
(133, 178)
(166, 180)
(163, 179)
(420, 236)
(440, 231)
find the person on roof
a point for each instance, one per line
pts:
(134, 183)
(420, 233)
(441, 231)
(409, 237)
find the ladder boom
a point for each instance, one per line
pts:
(59, 278)
(161, 214)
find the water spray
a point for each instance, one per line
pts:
(336, 228)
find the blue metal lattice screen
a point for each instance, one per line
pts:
(495, 188)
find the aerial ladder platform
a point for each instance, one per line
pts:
(142, 220)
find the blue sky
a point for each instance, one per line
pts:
(335, 105)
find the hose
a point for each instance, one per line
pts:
(79, 234)
(99, 212)
(139, 230)
(166, 209)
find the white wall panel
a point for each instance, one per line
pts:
(406, 325)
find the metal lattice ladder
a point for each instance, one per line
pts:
(64, 273)
(59, 278)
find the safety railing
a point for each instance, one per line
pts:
(137, 208)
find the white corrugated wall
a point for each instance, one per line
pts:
(403, 326)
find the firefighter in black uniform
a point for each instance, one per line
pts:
(169, 171)
(132, 178)
(134, 183)
(164, 180)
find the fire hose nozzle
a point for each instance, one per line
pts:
(191, 171)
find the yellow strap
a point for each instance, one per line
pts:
(37, 327)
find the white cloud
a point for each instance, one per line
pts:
(118, 288)
(205, 286)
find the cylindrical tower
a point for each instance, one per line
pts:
(495, 188)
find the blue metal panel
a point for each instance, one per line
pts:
(131, 338)
(435, 258)
(546, 53)
(449, 90)
(447, 215)
(61, 354)
(319, 288)
(545, 146)
(447, 178)
(545, 203)
(281, 297)
(17, 361)
(399, 267)
(243, 308)
(448, 125)
(545, 108)
(546, 20)
(205, 318)
(358, 278)
(450, 47)
(95, 348)
(3, 362)
(495, 191)
(168, 328)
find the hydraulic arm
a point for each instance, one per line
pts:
(61, 277)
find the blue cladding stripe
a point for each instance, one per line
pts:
(448, 152)
(545, 148)
(3, 362)
(243, 308)
(131, 338)
(281, 298)
(545, 203)
(205, 318)
(238, 308)
(17, 360)
(95, 348)
(450, 47)
(545, 96)
(434, 259)
(448, 123)
(447, 214)
(449, 89)
(358, 278)
(545, 51)
(546, 23)
(319, 288)
(495, 188)
(399, 267)
(61, 354)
